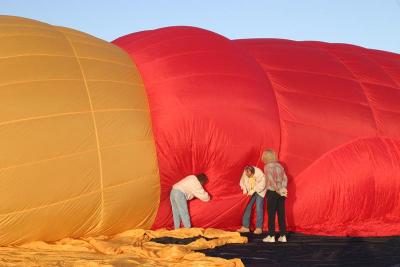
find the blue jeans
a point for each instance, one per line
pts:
(179, 209)
(259, 209)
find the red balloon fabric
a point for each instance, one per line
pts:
(331, 111)
(213, 110)
(339, 108)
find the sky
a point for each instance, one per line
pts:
(369, 23)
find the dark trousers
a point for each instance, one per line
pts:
(276, 204)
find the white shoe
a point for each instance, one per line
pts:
(269, 239)
(282, 239)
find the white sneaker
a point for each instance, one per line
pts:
(282, 239)
(269, 239)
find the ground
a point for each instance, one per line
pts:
(303, 250)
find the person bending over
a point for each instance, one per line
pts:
(252, 184)
(186, 189)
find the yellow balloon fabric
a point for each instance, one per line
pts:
(130, 248)
(77, 155)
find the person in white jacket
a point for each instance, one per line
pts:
(186, 189)
(252, 184)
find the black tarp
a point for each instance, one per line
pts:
(304, 250)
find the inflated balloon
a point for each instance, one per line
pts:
(213, 110)
(93, 135)
(331, 111)
(77, 154)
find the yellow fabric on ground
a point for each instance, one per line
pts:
(130, 248)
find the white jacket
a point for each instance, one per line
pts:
(191, 187)
(259, 185)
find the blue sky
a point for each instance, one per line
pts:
(369, 23)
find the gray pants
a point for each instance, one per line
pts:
(179, 209)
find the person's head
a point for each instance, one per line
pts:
(249, 171)
(268, 156)
(203, 179)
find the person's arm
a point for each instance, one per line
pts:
(283, 190)
(285, 180)
(260, 183)
(200, 193)
(242, 186)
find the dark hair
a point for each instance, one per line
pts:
(202, 178)
(250, 169)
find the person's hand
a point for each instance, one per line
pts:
(283, 192)
(251, 192)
